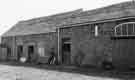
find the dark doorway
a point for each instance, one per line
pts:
(30, 53)
(66, 49)
(9, 54)
(19, 52)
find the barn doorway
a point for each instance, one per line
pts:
(19, 52)
(124, 52)
(30, 52)
(66, 50)
(124, 45)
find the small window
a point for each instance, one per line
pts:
(92, 29)
(41, 51)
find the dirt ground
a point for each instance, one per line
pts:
(13, 72)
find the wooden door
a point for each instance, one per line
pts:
(124, 52)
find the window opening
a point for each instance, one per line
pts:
(125, 29)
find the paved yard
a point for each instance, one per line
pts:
(8, 72)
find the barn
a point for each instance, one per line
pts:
(82, 38)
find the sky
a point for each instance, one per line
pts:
(12, 11)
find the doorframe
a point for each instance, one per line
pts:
(21, 52)
(66, 41)
(32, 43)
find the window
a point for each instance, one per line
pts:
(92, 30)
(125, 29)
(41, 51)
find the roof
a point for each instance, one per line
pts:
(49, 23)
(24, 29)
(41, 25)
(120, 10)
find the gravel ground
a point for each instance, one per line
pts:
(8, 72)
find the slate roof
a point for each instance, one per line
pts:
(120, 10)
(49, 23)
(41, 25)
(24, 29)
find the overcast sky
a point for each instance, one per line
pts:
(12, 11)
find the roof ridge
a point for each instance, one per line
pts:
(55, 15)
(108, 8)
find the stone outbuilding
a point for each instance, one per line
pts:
(81, 37)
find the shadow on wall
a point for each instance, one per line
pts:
(78, 58)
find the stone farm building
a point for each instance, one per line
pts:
(78, 37)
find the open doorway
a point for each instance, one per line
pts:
(19, 51)
(66, 50)
(30, 52)
(9, 53)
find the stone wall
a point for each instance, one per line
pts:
(93, 50)
(46, 41)
(10, 44)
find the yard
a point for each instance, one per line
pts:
(12, 72)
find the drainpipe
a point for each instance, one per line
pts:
(58, 31)
(96, 37)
